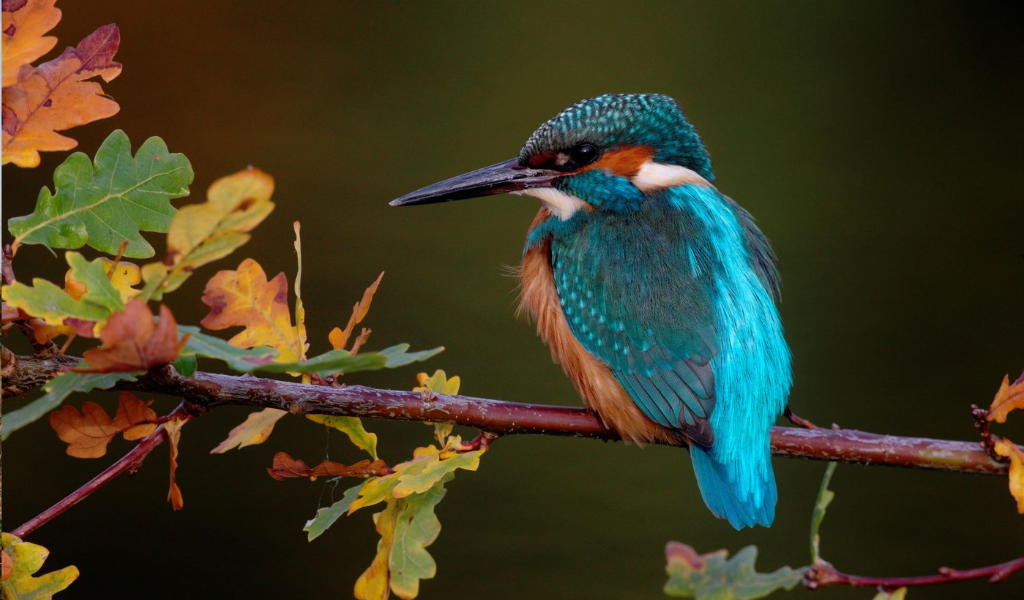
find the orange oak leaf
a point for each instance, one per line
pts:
(338, 337)
(1005, 447)
(286, 467)
(1009, 398)
(8, 565)
(55, 96)
(245, 298)
(87, 433)
(173, 429)
(132, 342)
(24, 23)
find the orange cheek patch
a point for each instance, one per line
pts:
(625, 161)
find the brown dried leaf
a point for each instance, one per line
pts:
(132, 342)
(1010, 397)
(87, 433)
(173, 429)
(55, 97)
(286, 467)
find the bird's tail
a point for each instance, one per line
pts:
(745, 494)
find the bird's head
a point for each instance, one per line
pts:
(605, 153)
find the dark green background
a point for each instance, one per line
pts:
(879, 144)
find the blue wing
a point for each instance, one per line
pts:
(636, 291)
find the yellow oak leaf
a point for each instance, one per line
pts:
(300, 312)
(26, 560)
(126, 274)
(254, 430)
(1010, 397)
(245, 298)
(203, 233)
(24, 24)
(375, 582)
(1006, 448)
(55, 96)
(438, 383)
(173, 429)
(353, 428)
(87, 433)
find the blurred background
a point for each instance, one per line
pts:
(879, 144)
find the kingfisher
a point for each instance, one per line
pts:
(656, 293)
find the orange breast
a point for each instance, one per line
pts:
(600, 391)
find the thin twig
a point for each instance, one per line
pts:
(129, 462)
(824, 574)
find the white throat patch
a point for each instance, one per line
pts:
(562, 205)
(654, 176)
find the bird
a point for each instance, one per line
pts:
(656, 293)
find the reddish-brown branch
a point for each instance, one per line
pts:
(208, 390)
(129, 462)
(825, 575)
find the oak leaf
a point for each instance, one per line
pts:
(8, 565)
(353, 428)
(254, 430)
(300, 311)
(132, 342)
(173, 430)
(374, 583)
(438, 383)
(26, 560)
(24, 26)
(286, 467)
(57, 389)
(110, 203)
(325, 517)
(1010, 397)
(245, 298)
(1005, 447)
(87, 433)
(55, 96)
(93, 303)
(339, 337)
(203, 233)
(125, 275)
(715, 576)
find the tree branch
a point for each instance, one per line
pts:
(203, 391)
(825, 574)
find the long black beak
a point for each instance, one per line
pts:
(504, 177)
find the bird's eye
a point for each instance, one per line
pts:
(584, 154)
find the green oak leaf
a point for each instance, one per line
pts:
(111, 202)
(825, 497)
(353, 428)
(52, 304)
(325, 517)
(57, 389)
(261, 358)
(714, 576)
(26, 561)
(416, 528)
